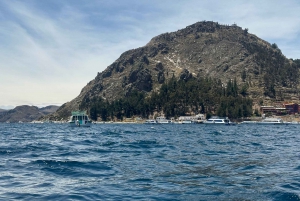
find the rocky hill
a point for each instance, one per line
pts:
(26, 113)
(205, 49)
(48, 109)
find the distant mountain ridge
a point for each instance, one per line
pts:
(205, 49)
(48, 109)
(26, 113)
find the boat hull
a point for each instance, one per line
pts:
(270, 123)
(76, 124)
(226, 124)
(267, 121)
(164, 122)
(150, 122)
(187, 122)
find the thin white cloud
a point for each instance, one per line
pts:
(44, 50)
(52, 54)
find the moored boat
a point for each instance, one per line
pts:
(249, 122)
(218, 121)
(163, 120)
(292, 122)
(187, 122)
(150, 121)
(79, 119)
(268, 121)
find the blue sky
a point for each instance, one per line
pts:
(49, 50)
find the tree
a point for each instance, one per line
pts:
(176, 98)
(274, 45)
(244, 75)
(244, 89)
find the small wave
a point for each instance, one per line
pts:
(255, 144)
(141, 144)
(281, 195)
(74, 168)
(109, 143)
(146, 180)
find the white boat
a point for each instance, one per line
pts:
(187, 122)
(218, 121)
(79, 119)
(163, 120)
(150, 121)
(292, 122)
(249, 122)
(268, 121)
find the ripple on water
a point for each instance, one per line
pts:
(74, 168)
(157, 162)
(281, 195)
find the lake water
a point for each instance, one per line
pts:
(149, 162)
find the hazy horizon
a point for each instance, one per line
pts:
(9, 107)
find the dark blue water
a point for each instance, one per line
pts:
(149, 162)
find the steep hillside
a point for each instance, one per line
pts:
(202, 49)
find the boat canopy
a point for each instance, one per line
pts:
(78, 113)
